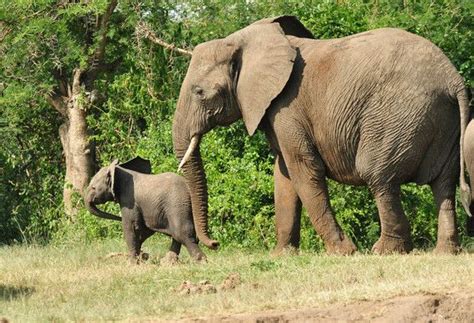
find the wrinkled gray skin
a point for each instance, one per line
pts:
(149, 204)
(379, 108)
(469, 159)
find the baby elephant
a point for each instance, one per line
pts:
(468, 201)
(149, 204)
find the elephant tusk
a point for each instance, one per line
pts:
(192, 146)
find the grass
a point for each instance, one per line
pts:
(79, 283)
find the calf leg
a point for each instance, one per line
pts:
(131, 238)
(135, 233)
(175, 246)
(194, 250)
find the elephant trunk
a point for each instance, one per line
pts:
(187, 151)
(92, 208)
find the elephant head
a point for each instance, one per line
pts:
(228, 79)
(103, 186)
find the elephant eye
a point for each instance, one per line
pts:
(233, 68)
(198, 92)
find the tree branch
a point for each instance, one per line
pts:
(62, 82)
(76, 82)
(98, 57)
(57, 102)
(104, 24)
(144, 31)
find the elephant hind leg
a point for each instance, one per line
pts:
(395, 228)
(287, 210)
(444, 189)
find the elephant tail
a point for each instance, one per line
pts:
(464, 112)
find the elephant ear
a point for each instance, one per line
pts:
(290, 25)
(138, 164)
(264, 67)
(111, 176)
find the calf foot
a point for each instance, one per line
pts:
(200, 257)
(389, 245)
(170, 259)
(137, 258)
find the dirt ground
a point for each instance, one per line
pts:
(447, 307)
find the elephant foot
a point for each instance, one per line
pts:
(389, 245)
(200, 257)
(447, 247)
(344, 247)
(287, 250)
(170, 259)
(140, 258)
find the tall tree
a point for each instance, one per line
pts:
(58, 49)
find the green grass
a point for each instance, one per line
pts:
(78, 282)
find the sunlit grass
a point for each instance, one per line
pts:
(78, 282)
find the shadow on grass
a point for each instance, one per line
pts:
(8, 293)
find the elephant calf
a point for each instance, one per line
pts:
(149, 204)
(468, 197)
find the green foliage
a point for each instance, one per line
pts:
(30, 194)
(133, 116)
(245, 217)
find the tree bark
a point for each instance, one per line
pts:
(74, 140)
(144, 31)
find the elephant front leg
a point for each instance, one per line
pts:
(307, 172)
(132, 236)
(143, 234)
(287, 210)
(395, 228)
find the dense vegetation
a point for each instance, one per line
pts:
(136, 99)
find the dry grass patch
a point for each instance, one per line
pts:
(80, 283)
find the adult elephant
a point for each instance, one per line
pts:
(379, 108)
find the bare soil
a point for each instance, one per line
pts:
(455, 306)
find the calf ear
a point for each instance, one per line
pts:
(138, 164)
(111, 176)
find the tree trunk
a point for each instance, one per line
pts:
(74, 139)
